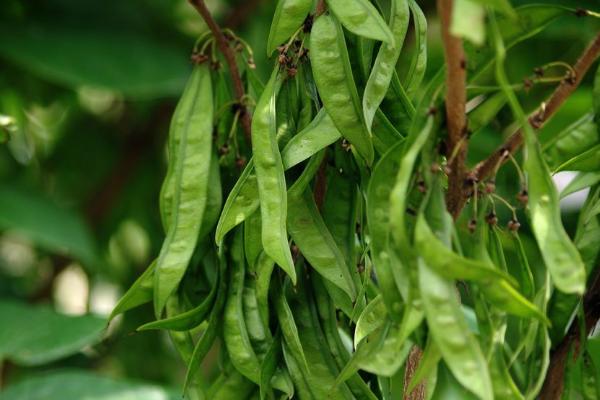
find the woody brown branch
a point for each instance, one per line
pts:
(321, 8)
(568, 85)
(229, 55)
(456, 98)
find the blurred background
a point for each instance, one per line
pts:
(87, 89)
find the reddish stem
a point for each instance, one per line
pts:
(456, 98)
(229, 55)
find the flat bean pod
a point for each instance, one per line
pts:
(329, 324)
(289, 16)
(322, 368)
(243, 197)
(421, 128)
(193, 143)
(378, 201)
(264, 270)
(385, 63)
(362, 18)
(320, 133)
(189, 319)
(446, 322)
(271, 179)
(309, 232)
(372, 317)
(240, 204)
(418, 65)
(209, 335)
(288, 326)
(235, 331)
(335, 82)
(140, 292)
(230, 385)
(447, 263)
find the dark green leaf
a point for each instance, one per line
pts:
(37, 335)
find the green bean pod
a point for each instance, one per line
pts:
(421, 128)
(362, 18)
(264, 270)
(418, 64)
(447, 324)
(140, 292)
(298, 376)
(392, 279)
(240, 204)
(310, 233)
(289, 16)
(209, 335)
(451, 333)
(288, 326)
(329, 324)
(252, 240)
(321, 368)
(243, 197)
(230, 384)
(449, 264)
(385, 63)
(192, 130)
(335, 82)
(189, 319)
(372, 318)
(271, 179)
(320, 133)
(235, 330)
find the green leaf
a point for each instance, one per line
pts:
(124, 62)
(588, 161)
(502, 6)
(468, 21)
(78, 385)
(582, 180)
(531, 20)
(49, 226)
(35, 335)
(596, 99)
(571, 141)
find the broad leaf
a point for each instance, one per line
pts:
(79, 385)
(131, 64)
(36, 335)
(49, 226)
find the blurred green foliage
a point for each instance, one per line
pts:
(86, 93)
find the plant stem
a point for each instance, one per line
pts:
(321, 8)
(412, 363)
(229, 55)
(538, 118)
(555, 378)
(456, 99)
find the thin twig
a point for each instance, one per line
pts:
(456, 99)
(229, 55)
(321, 8)
(412, 363)
(541, 116)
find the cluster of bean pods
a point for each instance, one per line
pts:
(318, 258)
